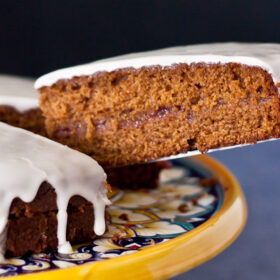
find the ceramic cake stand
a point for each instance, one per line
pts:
(165, 232)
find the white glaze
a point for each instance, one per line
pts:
(18, 93)
(17, 86)
(22, 104)
(266, 56)
(28, 159)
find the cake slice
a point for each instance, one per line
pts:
(51, 195)
(141, 107)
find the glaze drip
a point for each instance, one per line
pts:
(28, 159)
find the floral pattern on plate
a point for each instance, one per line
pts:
(139, 219)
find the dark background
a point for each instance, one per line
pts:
(39, 36)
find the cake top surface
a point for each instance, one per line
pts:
(264, 55)
(17, 86)
(18, 92)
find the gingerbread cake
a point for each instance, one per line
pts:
(50, 194)
(141, 107)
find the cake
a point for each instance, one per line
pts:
(141, 107)
(23, 112)
(50, 194)
(31, 120)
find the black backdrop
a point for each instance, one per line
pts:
(39, 36)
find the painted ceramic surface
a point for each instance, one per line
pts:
(139, 219)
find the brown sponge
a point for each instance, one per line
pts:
(131, 115)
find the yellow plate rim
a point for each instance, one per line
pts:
(178, 254)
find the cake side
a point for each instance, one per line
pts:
(31, 119)
(264, 55)
(143, 176)
(132, 115)
(32, 227)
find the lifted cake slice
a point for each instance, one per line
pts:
(140, 107)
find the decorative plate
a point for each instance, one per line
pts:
(153, 233)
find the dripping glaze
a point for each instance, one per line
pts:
(28, 159)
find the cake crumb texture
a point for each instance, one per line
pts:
(131, 115)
